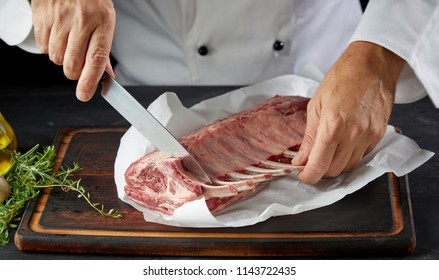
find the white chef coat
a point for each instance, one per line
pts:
(229, 42)
(409, 28)
(239, 37)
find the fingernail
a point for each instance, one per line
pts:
(110, 71)
(83, 96)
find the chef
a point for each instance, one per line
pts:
(368, 60)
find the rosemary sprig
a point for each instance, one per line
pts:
(29, 173)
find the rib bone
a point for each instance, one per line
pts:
(275, 164)
(242, 185)
(289, 153)
(254, 177)
(274, 172)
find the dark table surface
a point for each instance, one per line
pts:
(37, 113)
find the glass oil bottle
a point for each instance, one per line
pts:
(7, 141)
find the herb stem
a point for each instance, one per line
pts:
(31, 172)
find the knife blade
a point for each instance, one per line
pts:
(148, 125)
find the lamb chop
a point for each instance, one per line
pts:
(239, 153)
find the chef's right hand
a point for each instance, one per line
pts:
(76, 34)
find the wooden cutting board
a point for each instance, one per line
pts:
(374, 220)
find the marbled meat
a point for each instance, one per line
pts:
(238, 153)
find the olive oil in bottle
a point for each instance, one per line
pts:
(7, 141)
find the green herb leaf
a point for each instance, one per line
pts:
(32, 171)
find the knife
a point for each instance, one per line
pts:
(148, 125)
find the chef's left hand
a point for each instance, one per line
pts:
(349, 113)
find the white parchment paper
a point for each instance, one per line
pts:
(285, 196)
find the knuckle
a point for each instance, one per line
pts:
(73, 63)
(60, 13)
(72, 69)
(55, 54)
(359, 129)
(87, 14)
(84, 11)
(98, 57)
(56, 58)
(372, 132)
(333, 172)
(42, 47)
(336, 122)
(38, 19)
(379, 131)
(108, 13)
(85, 84)
(350, 167)
(317, 168)
(72, 73)
(353, 163)
(307, 139)
(308, 179)
(334, 126)
(41, 42)
(312, 172)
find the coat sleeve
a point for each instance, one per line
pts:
(16, 25)
(409, 28)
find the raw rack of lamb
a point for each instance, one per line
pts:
(238, 153)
